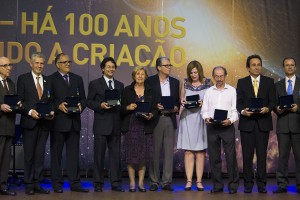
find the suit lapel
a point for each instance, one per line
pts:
(32, 85)
(249, 81)
(296, 90)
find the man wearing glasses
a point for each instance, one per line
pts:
(223, 97)
(164, 133)
(33, 87)
(66, 126)
(7, 124)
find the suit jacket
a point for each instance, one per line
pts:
(129, 96)
(63, 122)
(7, 120)
(288, 121)
(266, 91)
(106, 122)
(174, 87)
(27, 92)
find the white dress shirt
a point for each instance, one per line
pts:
(287, 83)
(224, 99)
(165, 88)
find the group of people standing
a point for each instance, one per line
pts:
(146, 135)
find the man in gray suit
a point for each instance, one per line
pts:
(288, 126)
(7, 124)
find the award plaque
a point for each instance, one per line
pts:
(44, 109)
(112, 97)
(12, 100)
(143, 108)
(285, 102)
(168, 103)
(72, 104)
(191, 101)
(219, 116)
(255, 104)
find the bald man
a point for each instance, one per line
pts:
(7, 124)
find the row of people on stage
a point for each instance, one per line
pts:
(146, 135)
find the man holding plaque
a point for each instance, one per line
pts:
(106, 127)
(221, 97)
(288, 124)
(255, 126)
(165, 87)
(7, 124)
(66, 125)
(34, 88)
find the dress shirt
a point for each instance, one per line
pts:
(165, 88)
(258, 81)
(224, 99)
(41, 80)
(1, 80)
(287, 83)
(112, 82)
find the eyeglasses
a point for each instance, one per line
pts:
(66, 62)
(167, 66)
(6, 65)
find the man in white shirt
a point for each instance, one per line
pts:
(221, 96)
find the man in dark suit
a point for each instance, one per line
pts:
(34, 87)
(106, 127)
(288, 125)
(255, 127)
(164, 133)
(7, 124)
(66, 127)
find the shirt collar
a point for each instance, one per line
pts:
(257, 78)
(107, 79)
(293, 78)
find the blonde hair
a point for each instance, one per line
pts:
(136, 69)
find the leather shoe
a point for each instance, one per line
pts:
(8, 192)
(29, 192)
(153, 187)
(262, 190)
(142, 189)
(98, 188)
(132, 190)
(79, 189)
(232, 191)
(59, 190)
(168, 188)
(248, 190)
(41, 191)
(118, 189)
(215, 190)
(280, 190)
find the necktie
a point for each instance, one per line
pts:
(5, 87)
(66, 79)
(39, 87)
(255, 87)
(290, 87)
(110, 85)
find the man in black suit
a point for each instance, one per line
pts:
(255, 127)
(7, 124)
(164, 133)
(66, 126)
(288, 125)
(34, 87)
(106, 127)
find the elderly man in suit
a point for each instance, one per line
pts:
(7, 124)
(66, 126)
(288, 125)
(255, 127)
(33, 87)
(106, 127)
(164, 133)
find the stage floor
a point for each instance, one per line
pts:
(177, 194)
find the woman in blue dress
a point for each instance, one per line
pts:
(192, 136)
